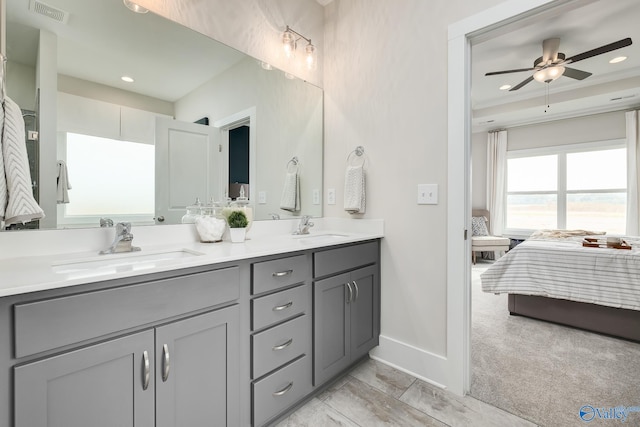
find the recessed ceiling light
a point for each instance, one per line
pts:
(127, 79)
(135, 7)
(505, 87)
(266, 65)
(617, 59)
(289, 76)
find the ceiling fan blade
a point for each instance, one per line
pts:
(518, 70)
(522, 83)
(550, 49)
(599, 50)
(575, 74)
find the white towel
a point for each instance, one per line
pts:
(4, 196)
(354, 189)
(19, 206)
(63, 183)
(290, 200)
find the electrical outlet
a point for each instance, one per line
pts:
(262, 197)
(331, 196)
(316, 196)
(427, 194)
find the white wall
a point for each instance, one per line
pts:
(288, 123)
(598, 127)
(386, 89)
(253, 26)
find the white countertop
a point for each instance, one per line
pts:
(24, 274)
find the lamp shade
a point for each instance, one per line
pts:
(548, 74)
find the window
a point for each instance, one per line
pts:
(110, 178)
(580, 186)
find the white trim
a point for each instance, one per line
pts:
(607, 144)
(428, 367)
(457, 363)
(247, 116)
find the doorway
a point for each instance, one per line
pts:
(239, 154)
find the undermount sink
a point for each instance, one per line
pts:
(105, 264)
(320, 238)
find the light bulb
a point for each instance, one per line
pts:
(548, 74)
(289, 44)
(310, 59)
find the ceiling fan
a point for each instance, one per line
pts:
(553, 64)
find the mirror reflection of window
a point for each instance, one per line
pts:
(120, 183)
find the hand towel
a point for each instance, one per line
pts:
(354, 189)
(3, 179)
(290, 200)
(63, 183)
(20, 204)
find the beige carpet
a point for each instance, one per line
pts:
(545, 372)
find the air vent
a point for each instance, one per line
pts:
(41, 8)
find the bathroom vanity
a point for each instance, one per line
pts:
(234, 342)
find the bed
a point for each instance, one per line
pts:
(597, 289)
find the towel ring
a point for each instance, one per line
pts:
(293, 162)
(355, 154)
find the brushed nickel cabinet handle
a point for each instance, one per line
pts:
(166, 365)
(349, 298)
(283, 346)
(284, 390)
(282, 273)
(355, 285)
(283, 307)
(146, 371)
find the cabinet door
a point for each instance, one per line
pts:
(198, 375)
(331, 327)
(100, 385)
(364, 311)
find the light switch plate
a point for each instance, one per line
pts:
(331, 196)
(262, 197)
(427, 194)
(316, 196)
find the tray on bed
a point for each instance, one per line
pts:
(590, 242)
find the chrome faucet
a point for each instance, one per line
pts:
(122, 242)
(305, 224)
(275, 216)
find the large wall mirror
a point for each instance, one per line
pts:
(199, 120)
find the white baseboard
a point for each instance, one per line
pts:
(426, 366)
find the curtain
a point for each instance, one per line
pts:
(633, 178)
(496, 179)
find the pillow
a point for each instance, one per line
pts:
(479, 226)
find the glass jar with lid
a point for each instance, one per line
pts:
(193, 211)
(210, 223)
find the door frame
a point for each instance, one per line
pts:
(503, 16)
(241, 118)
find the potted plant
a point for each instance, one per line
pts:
(237, 221)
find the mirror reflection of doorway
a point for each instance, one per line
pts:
(239, 161)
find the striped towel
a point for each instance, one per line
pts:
(18, 204)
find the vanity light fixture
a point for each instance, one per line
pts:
(135, 7)
(127, 79)
(617, 59)
(548, 74)
(290, 43)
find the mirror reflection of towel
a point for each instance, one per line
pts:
(290, 200)
(63, 183)
(354, 189)
(20, 206)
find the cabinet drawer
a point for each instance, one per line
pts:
(346, 258)
(280, 344)
(271, 275)
(56, 322)
(278, 391)
(280, 306)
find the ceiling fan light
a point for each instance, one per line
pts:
(548, 74)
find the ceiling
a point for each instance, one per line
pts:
(594, 24)
(102, 41)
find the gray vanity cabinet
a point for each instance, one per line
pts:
(346, 309)
(100, 385)
(197, 370)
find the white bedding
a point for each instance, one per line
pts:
(566, 270)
